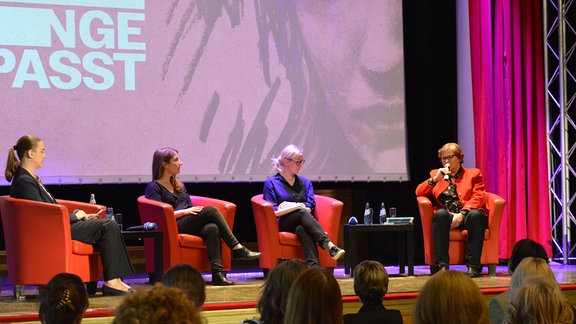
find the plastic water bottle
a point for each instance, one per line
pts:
(92, 199)
(110, 213)
(382, 213)
(367, 215)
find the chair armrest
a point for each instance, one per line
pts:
(72, 205)
(226, 208)
(494, 209)
(328, 213)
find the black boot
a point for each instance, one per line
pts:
(244, 253)
(219, 279)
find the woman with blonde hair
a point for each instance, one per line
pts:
(450, 297)
(286, 190)
(539, 300)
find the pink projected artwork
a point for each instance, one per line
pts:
(228, 83)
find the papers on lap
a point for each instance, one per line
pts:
(286, 208)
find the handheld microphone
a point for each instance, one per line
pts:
(148, 226)
(447, 176)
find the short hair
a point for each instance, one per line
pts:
(186, 278)
(63, 299)
(288, 152)
(450, 297)
(529, 266)
(454, 149)
(539, 300)
(370, 282)
(272, 303)
(314, 298)
(160, 304)
(525, 248)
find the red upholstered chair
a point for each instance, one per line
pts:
(275, 244)
(494, 207)
(182, 248)
(39, 243)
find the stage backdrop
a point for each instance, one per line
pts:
(227, 83)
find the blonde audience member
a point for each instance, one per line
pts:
(529, 266)
(160, 304)
(539, 300)
(522, 249)
(450, 297)
(63, 300)
(314, 298)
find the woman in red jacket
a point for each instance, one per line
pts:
(457, 194)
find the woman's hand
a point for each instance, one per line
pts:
(194, 210)
(81, 215)
(456, 220)
(440, 174)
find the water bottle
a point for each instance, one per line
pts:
(382, 214)
(110, 213)
(92, 199)
(367, 215)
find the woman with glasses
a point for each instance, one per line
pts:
(457, 194)
(293, 200)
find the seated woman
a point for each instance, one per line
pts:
(203, 221)
(87, 228)
(286, 189)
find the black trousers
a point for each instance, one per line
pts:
(106, 236)
(475, 222)
(211, 226)
(309, 232)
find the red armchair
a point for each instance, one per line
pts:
(494, 207)
(39, 243)
(177, 247)
(275, 244)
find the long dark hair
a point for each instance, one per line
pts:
(164, 155)
(272, 302)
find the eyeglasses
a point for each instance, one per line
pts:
(297, 162)
(447, 158)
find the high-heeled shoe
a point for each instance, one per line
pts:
(109, 291)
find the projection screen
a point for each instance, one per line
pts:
(227, 83)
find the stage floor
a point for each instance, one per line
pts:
(248, 283)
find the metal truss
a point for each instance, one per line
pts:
(560, 71)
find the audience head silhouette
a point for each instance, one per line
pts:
(314, 298)
(450, 297)
(370, 282)
(62, 300)
(525, 248)
(272, 302)
(539, 300)
(529, 266)
(160, 304)
(184, 277)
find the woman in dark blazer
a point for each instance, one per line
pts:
(87, 228)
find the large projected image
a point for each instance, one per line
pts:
(228, 83)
